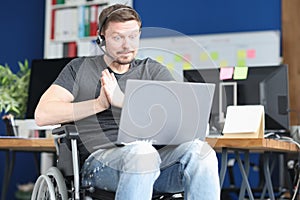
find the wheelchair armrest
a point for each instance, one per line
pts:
(65, 138)
(69, 131)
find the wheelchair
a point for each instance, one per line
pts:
(62, 182)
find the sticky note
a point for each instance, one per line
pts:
(178, 58)
(160, 59)
(241, 54)
(203, 56)
(187, 65)
(240, 73)
(170, 67)
(226, 73)
(214, 55)
(251, 53)
(187, 57)
(241, 63)
(223, 63)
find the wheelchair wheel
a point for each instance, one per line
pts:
(50, 186)
(61, 188)
(43, 189)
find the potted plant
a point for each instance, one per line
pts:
(14, 91)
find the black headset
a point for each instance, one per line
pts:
(100, 38)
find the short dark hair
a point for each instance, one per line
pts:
(117, 13)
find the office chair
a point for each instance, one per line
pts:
(63, 181)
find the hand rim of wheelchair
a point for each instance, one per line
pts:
(60, 181)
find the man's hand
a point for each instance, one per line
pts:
(111, 88)
(102, 99)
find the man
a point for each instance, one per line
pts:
(89, 92)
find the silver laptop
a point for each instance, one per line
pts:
(165, 113)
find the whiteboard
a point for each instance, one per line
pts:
(259, 48)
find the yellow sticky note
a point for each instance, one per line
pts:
(241, 54)
(187, 65)
(226, 73)
(178, 58)
(240, 73)
(160, 59)
(223, 63)
(214, 55)
(203, 56)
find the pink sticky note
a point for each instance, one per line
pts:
(187, 57)
(251, 53)
(226, 73)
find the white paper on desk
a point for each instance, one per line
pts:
(244, 119)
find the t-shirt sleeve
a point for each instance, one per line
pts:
(67, 76)
(159, 72)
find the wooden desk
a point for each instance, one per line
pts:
(252, 144)
(26, 144)
(12, 145)
(219, 144)
(245, 146)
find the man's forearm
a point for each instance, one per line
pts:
(60, 112)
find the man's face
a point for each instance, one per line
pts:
(122, 40)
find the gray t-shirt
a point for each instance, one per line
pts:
(82, 78)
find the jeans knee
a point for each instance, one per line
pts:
(200, 148)
(141, 157)
(199, 153)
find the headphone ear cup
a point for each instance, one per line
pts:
(100, 40)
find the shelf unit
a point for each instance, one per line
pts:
(66, 25)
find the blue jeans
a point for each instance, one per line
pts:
(138, 170)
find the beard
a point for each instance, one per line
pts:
(124, 60)
(123, 57)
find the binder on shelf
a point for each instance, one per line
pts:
(65, 27)
(93, 20)
(52, 33)
(72, 49)
(87, 21)
(65, 49)
(244, 122)
(58, 24)
(72, 23)
(60, 1)
(81, 27)
(69, 49)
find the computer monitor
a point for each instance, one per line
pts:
(264, 85)
(43, 73)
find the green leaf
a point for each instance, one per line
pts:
(14, 89)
